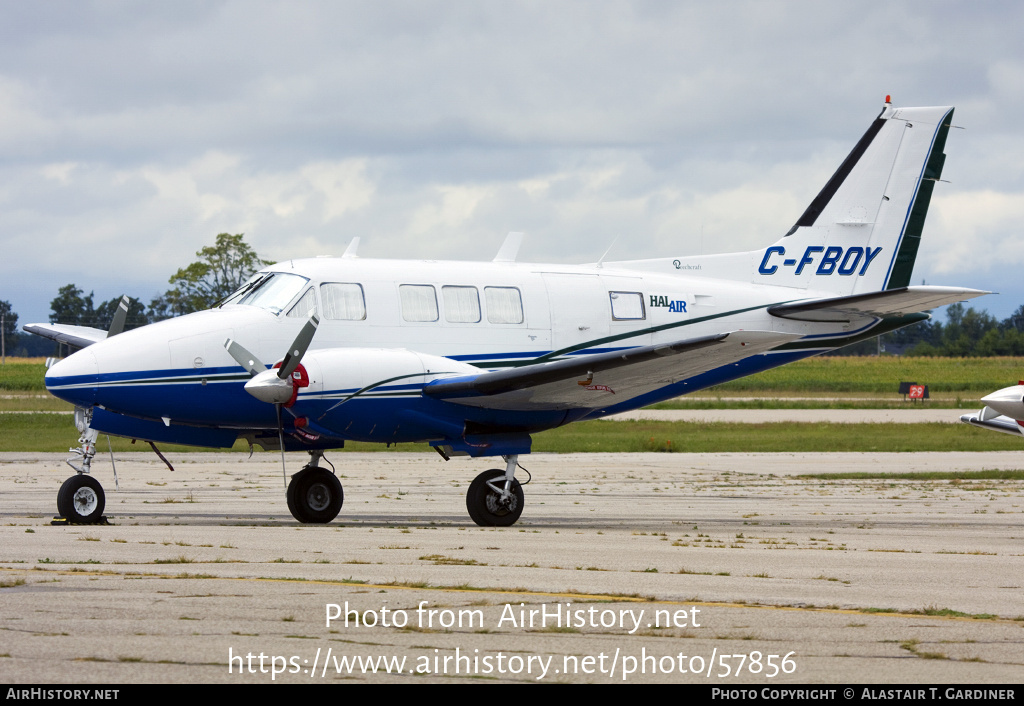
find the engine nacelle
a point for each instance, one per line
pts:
(349, 370)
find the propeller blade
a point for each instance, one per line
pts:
(244, 358)
(120, 316)
(298, 348)
(280, 439)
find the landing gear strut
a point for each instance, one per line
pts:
(80, 499)
(495, 497)
(315, 494)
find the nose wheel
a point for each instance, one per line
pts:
(80, 500)
(315, 495)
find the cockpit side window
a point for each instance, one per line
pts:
(274, 292)
(305, 306)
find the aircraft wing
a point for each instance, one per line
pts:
(903, 300)
(78, 336)
(995, 423)
(601, 380)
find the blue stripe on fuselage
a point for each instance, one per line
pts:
(375, 417)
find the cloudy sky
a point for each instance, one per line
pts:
(131, 133)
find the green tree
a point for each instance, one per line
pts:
(221, 269)
(10, 326)
(70, 307)
(1014, 321)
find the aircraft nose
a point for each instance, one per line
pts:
(74, 379)
(1008, 401)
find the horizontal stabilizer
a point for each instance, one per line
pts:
(891, 302)
(596, 381)
(78, 336)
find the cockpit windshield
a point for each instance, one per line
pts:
(268, 290)
(241, 291)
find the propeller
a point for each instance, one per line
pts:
(120, 317)
(247, 360)
(275, 386)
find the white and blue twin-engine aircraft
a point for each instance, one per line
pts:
(474, 357)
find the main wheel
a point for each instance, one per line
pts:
(80, 499)
(315, 495)
(485, 505)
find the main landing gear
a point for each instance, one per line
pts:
(80, 499)
(315, 494)
(495, 497)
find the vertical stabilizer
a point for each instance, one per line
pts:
(861, 232)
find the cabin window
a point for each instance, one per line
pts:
(419, 302)
(627, 306)
(504, 305)
(305, 306)
(343, 301)
(461, 305)
(274, 291)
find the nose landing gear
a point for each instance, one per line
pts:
(80, 499)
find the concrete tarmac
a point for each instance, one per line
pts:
(683, 568)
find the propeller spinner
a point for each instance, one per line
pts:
(276, 385)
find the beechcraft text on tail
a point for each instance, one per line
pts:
(474, 358)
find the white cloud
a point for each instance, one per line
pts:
(343, 185)
(974, 230)
(134, 133)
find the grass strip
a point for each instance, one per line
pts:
(772, 402)
(22, 374)
(705, 437)
(56, 433)
(873, 374)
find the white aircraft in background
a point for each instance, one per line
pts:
(474, 357)
(1003, 411)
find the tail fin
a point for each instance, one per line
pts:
(861, 232)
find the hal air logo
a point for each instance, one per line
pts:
(845, 261)
(673, 305)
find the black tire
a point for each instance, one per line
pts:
(290, 496)
(484, 505)
(80, 500)
(315, 496)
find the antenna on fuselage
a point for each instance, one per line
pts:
(353, 245)
(510, 248)
(600, 262)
